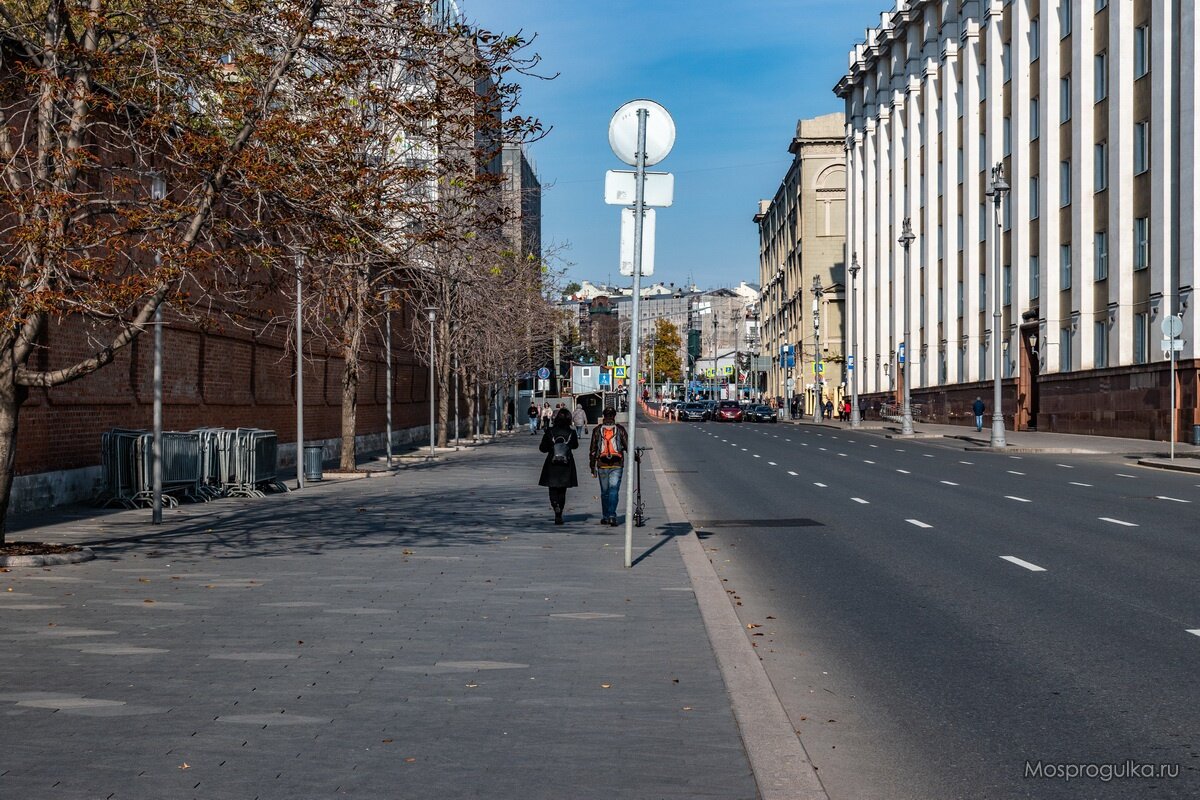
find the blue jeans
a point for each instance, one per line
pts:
(533, 425)
(610, 490)
(979, 422)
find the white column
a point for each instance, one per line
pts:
(1189, 173)
(858, 152)
(1018, 179)
(929, 335)
(911, 283)
(1083, 207)
(1120, 178)
(950, 208)
(884, 302)
(995, 153)
(972, 197)
(1163, 166)
(897, 208)
(869, 345)
(1048, 200)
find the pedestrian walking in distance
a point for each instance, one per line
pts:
(533, 419)
(558, 470)
(978, 408)
(606, 460)
(547, 415)
(579, 419)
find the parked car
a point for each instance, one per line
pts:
(728, 411)
(761, 414)
(693, 412)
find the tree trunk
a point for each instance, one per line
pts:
(12, 395)
(469, 403)
(349, 411)
(442, 370)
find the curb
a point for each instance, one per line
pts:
(48, 560)
(1167, 464)
(781, 766)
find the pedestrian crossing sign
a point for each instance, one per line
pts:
(818, 367)
(728, 370)
(709, 372)
(619, 372)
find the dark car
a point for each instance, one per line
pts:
(761, 414)
(728, 411)
(693, 412)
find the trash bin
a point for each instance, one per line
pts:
(314, 459)
(1196, 435)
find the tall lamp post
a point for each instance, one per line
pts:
(998, 190)
(855, 417)
(158, 190)
(432, 312)
(300, 370)
(906, 420)
(818, 396)
(387, 343)
(454, 344)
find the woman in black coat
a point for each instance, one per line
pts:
(559, 476)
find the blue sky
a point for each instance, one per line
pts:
(735, 77)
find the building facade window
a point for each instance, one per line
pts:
(1007, 129)
(1064, 266)
(1007, 285)
(1064, 349)
(1141, 147)
(1006, 62)
(1100, 170)
(1141, 51)
(1101, 255)
(1141, 322)
(1100, 346)
(1064, 18)
(1034, 196)
(1101, 5)
(1064, 99)
(1101, 76)
(1035, 123)
(1035, 277)
(1141, 243)
(1035, 39)
(1064, 183)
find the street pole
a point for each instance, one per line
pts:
(639, 209)
(387, 346)
(818, 399)
(906, 420)
(454, 344)
(1173, 414)
(855, 416)
(299, 371)
(432, 318)
(999, 188)
(158, 190)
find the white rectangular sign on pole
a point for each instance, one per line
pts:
(627, 242)
(620, 188)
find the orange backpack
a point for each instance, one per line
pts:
(608, 445)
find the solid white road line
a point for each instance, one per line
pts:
(918, 523)
(1020, 562)
(823, 486)
(1077, 483)
(860, 500)
(1173, 499)
(1119, 522)
(950, 483)
(1018, 499)
(792, 473)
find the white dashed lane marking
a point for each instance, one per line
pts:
(1018, 499)
(1064, 466)
(1194, 631)
(792, 473)
(904, 472)
(1123, 475)
(1077, 483)
(823, 486)
(918, 523)
(969, 463)
(1020, 562)
(1173, 499)
(772, 463)
(867, 461)
(859, 500)
(950, 483)
(1119, 522)
(1014, 472)
(756, 455)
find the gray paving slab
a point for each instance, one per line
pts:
(427, 633)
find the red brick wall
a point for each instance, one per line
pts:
(210, 379)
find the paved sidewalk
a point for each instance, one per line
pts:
(426, 633)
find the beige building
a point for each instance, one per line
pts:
(1091, 109)
(802, 237)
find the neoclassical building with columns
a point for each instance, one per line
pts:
(1091, 109)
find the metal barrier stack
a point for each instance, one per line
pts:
(199, 465)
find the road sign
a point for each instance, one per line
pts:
(544, 373)
(900, 353)
(620, 372)
(627, 235)
(709, 372)
(1172, 345)
(620, 188)
(612, 361)
(606, 378)
(1172, 326)
(849, 363)
(727, 370)
(818, 367)
(543, 386)
(791, 383)
(623, 132)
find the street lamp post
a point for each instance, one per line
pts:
(855, 416)
(818, 395)
(300, 370)
(387, 342)
(158, 190)
(432, 319)
(906, 420)
(454, 343)
(998, 190)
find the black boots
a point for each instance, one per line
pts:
(558, 512)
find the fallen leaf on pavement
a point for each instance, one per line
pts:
(185, 765)
(753, 625)
(606, 686)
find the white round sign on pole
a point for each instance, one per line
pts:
(1172, 326)
(623, 132)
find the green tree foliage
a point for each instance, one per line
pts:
(668, 348)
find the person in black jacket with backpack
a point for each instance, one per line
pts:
(558, 471)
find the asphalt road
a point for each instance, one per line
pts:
(945, 623)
